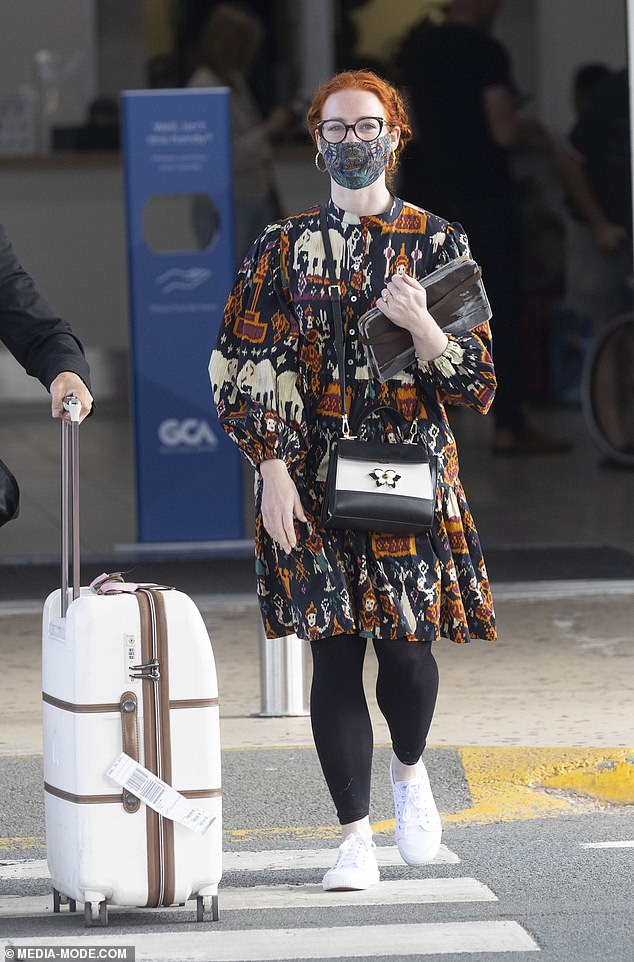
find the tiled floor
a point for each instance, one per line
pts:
(566, 499)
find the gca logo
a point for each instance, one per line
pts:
(190, 433)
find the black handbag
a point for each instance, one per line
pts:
(9, 495)
(376, 486)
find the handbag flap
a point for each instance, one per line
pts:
(405, 474)
(456, 273)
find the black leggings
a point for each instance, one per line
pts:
(406, 689)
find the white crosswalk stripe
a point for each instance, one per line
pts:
(627, 843)
(414, 891)
(260, 861)
(282, 942)
(352, 942)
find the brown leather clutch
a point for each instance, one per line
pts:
(457, 301)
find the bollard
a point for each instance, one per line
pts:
(284, 676)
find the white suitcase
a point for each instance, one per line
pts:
(133, 673)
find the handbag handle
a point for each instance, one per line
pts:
(334, 290)
(413, 434)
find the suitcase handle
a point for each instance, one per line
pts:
(70, 499)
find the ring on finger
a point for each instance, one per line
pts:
(385, 294)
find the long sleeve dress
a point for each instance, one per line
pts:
(276, 391)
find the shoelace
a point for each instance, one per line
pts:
(414, 806)
(352, 851)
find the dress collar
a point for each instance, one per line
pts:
(344, 217)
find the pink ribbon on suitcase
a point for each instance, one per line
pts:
(105, 584)
(114, 584)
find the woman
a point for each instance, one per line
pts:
(274, 374)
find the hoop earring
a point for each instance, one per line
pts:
(322, 170)
(391, 164)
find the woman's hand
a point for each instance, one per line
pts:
(404, 301)
(280, 504)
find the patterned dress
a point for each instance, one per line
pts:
(276, 390)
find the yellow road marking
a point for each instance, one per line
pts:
(25, 841)
(507, 784)
(610, 778)
(295, 831)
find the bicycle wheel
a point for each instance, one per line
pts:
(608, 390)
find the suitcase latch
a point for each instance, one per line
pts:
(151, 670)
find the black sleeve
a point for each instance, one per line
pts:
(494, 66)
(593, 130)
(42, 342)
(589, 132)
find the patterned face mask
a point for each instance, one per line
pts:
(357, 164)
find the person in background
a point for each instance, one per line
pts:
(42, 342)
(231, 37)
(571, 329)
(277, 393)
(466, 120)
(584, 83)
(595, 166)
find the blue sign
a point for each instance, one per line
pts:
(177, 156)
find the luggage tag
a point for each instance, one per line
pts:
(158, 794)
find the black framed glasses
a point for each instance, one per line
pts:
(365, 128)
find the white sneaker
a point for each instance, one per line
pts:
(355, 867)
(418, 828)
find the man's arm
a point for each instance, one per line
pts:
(41, 342)
(501, 115)
(572, 168)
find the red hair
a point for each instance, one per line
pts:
(393, 103)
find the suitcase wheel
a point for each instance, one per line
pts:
(59, 900)
(96, 913)
(206, 904)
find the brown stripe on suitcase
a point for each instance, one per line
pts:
(202, 793)
(106, 799)
(114, 706)
(149, 747)
(71, 706)
(167, 825)
(82, 799)
(194, 703)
